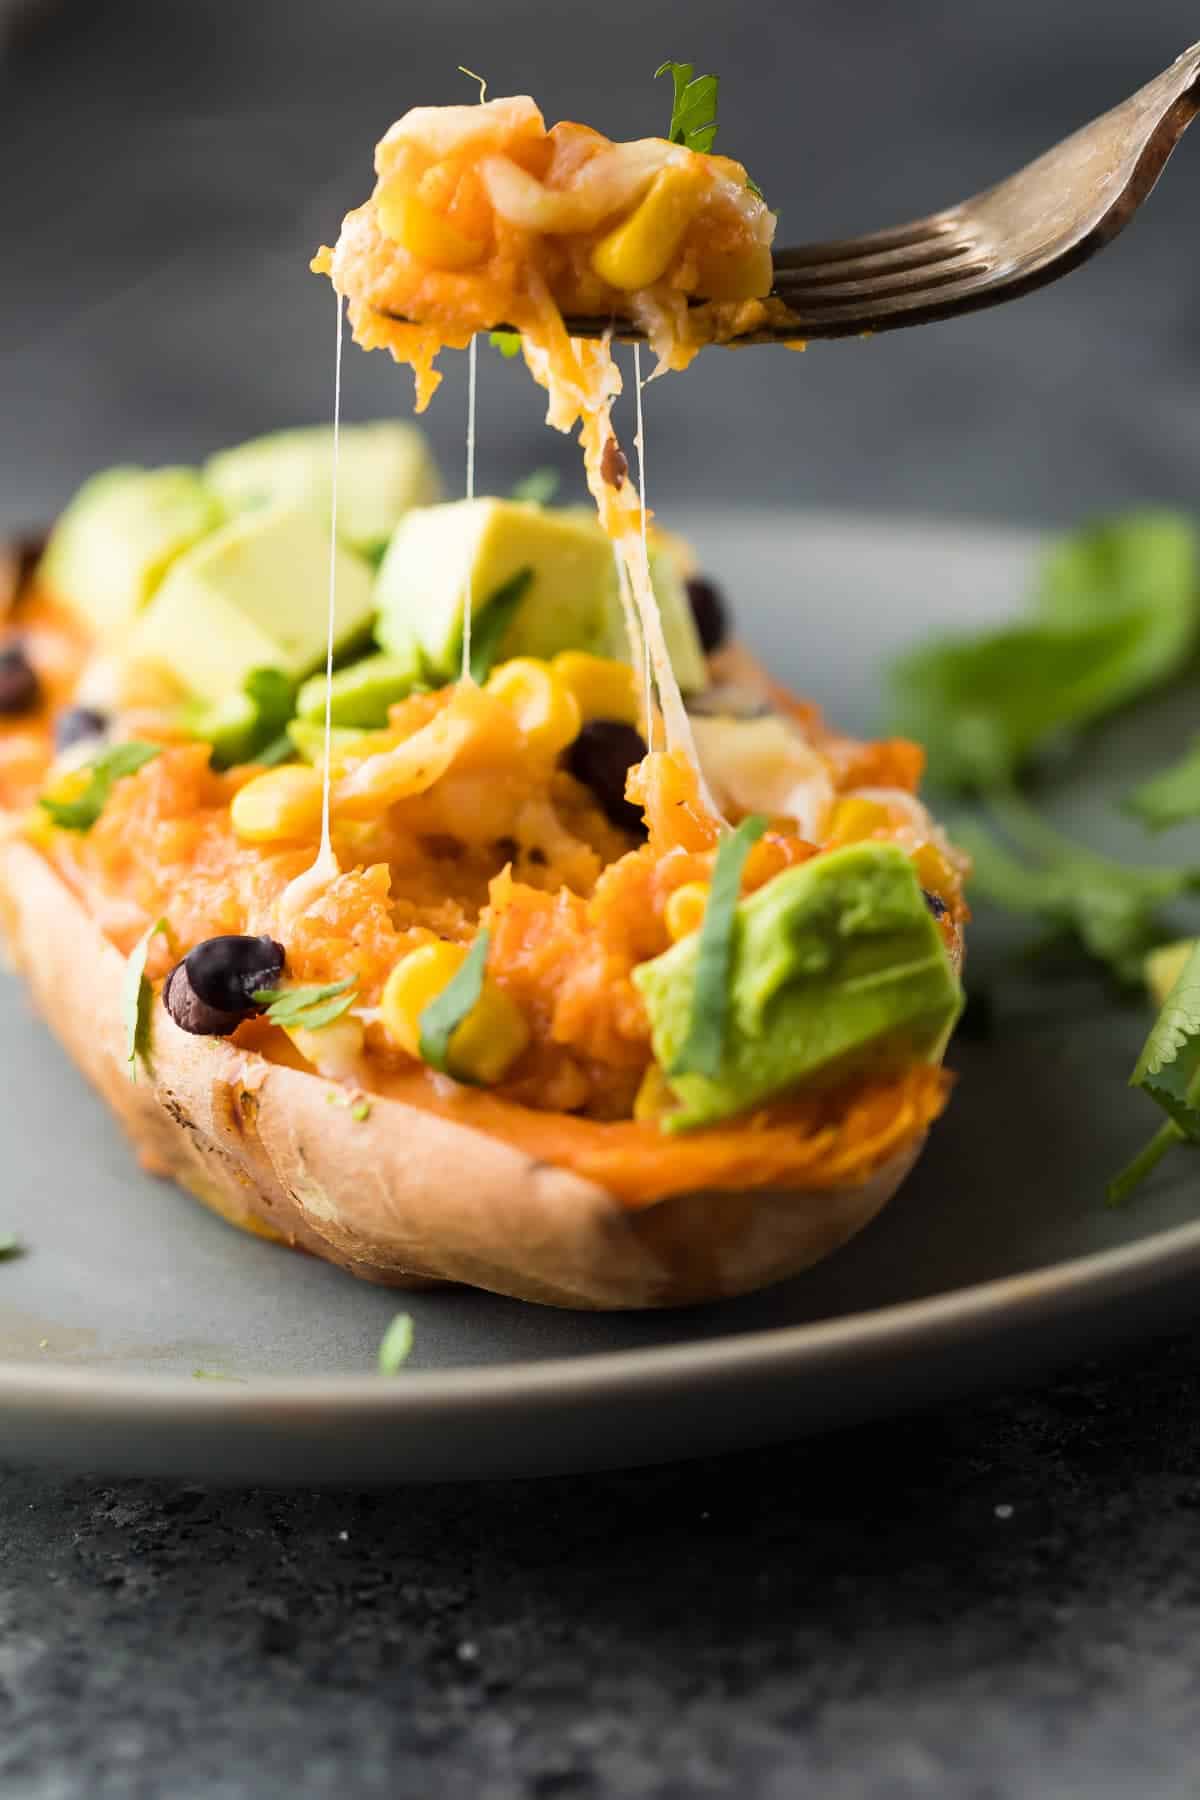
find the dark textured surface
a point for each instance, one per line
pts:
(998, 1603)
(861, 1617)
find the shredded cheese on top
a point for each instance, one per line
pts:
(482, 219)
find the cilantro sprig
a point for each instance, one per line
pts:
(1168, 1072)
(443, 1016)
(539, 486)
(490, 625)
(104, 772)
(307, 1008)
(396, 1345)
(1116, 614)
(693, 105)
(136, 998)
(1172, 797)
(694, 109)
(703, 1048)
(1112, 909)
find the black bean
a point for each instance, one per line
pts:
(601, 758)
(936, 904)
(709, 611)
(20, 689)
(77, 724)
(211, 991)
(190, 1012)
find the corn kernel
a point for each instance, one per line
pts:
(604, 687)
(335, 1051)
(654, 1096)
(934, 872)
(642, 248)
(855, 819)
(547, 712)
(490, 1038)
(283, 803)
(684, 911)
(424, 233)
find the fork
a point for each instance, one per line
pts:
(1020, 235)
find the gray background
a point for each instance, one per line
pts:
(168, 168)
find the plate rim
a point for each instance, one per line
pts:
(1011, 1300)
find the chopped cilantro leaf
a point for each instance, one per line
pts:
(395, 1347)
(1116, 614)
(508, 343)
(111, 766)
(10, 1248)
(217, 1375)
(307, 1008)
(539, 486)
(136, 998)
(1172, 797)
(1111, 908)
(489, 627)
(443, 1016)
(1168, 1071)
(693, 106)
(703, 1049)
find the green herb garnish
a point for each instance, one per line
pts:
(104, 772)
(396, 1344)
(360, 1112)
(1172, 797)
(217, 1375)
(10, 1248)
(539, 486)
(489, 627)
(508, 343)
(1116, 614)
(703, 1049)
(1111, 908)
(1168, 1070)
(307, 1008)
(693, 107)
(443, 1016)
(136, 998)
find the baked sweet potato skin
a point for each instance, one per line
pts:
(404, 1197)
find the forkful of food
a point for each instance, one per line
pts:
(483, 220)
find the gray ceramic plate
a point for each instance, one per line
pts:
(997, 1258)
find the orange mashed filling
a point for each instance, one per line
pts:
(506, 838)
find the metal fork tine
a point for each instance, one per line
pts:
(887, 285)
(874, 243)
(870, 268)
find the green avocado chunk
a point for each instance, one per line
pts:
(384, 468)
(254, 595)
(362, 693)
(838, 967)
(421, 588)
(308, 739)
(115, 541)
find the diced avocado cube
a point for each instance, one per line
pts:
(838, 967)
(383, 469)
(361, 694)
(422, 583)
(254, 595)
(115, 541)
(309, 739)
